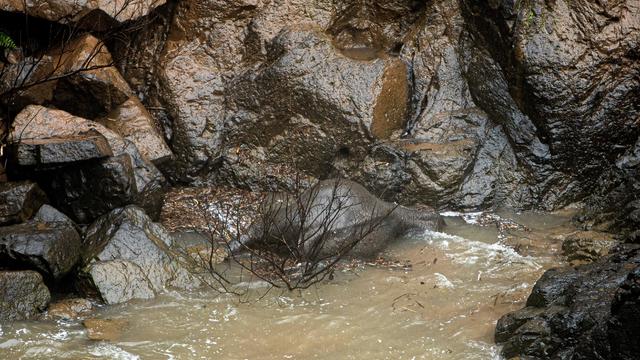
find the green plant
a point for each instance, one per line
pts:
(6, 42)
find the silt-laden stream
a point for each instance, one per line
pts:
(441, 301)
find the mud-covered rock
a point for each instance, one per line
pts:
(19, 201)
(69, 309)
(23, 295)
(105, 329)
(587, 245)
(577, 313)
(52, 248)
(127, 256)
(88, 189)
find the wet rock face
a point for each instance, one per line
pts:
(61, 150)
(127, 256)
(19, 201)
(585, 312)
(572, 70)
(23, 295)
(134, 123)
(48, 243)
(216, 45)
(51, 248)
(340, 104)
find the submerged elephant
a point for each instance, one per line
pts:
(333, 218)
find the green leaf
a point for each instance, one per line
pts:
(6, 42)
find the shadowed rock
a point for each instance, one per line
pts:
(61, 150)
(19, 200)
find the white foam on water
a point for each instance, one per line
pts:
(468, 217)
(112, 352)
(10, 343)
(472, 251)
(443, 282)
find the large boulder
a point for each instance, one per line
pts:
(88, 189)
(127, 256)
(23, 295)
(585, 312)
(197, 72)
(92, 14)
(19, 201)
(339, 108)
(49, 244)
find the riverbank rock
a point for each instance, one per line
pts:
(127, 256)
(23, 295)
(587, 246)
(19, 201)
(585, 312)
(51, 248)
(69, 309)
(61, 150)
(88, 189)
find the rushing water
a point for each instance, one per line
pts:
(443, 306)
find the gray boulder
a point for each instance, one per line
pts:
(19, 201)
(334, 218)
(61, 150)
(49, 244)
(128, 256)
(23, 295)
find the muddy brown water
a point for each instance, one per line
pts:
(443, 306)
